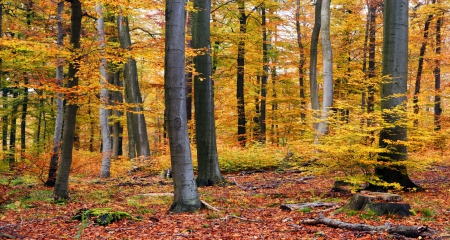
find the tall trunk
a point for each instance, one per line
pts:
(12, 131)
(423, 48)
(62, 178)
(264, 77)
(208, 162)
(92, 127)
(371, 70)
(437, 76)
(59, 103)
(189, 70)
(186, 197)
(4, 92)
(23, 122)
(327, 67)
(313, 58)
(393, 94)
(301, 64)
(131, 138)
(242, 138)
(133, 94)
(117, 128)
(104, 123)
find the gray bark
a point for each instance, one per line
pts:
(133, 95)
(301, 64)
(62, 179)
(437, 75)
(59, 103)
(104, 124)
(186, 197)
(393, 93)
(313, 58)
(327, 67)
(208, 162)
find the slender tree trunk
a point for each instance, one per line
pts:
(371, 70)
(393, 94)
(12, 131)
(327, 68)
(208, 162)
(104, 123)
(264, 77)
(437, 76)
(313, 59)
(117, 127)
(423, 48)
(301, 64)
(190, 66)
(59, 103)
(133, 94)
(62, 179)
(240, 95)
(186, 197)
(5, 119)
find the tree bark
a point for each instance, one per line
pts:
(117, 128)
(62, 179)
(11, 156)
(186, 198)
(301, 64)
(327, 67)
(59, 103)
(437, 76)
(313, 58)
(242, 138)
(133, 94)
(104, 123)
(393, 95)
(208, 162)
(423, 48)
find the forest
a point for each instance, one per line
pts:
(224, 119)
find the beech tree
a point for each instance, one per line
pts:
(135, 117)
(186, 197)
(62, 179)
(104, 123)
(208, 162)
(393, 136)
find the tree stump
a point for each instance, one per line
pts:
(379, 203)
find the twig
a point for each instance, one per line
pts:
(241, 218)
(209, 206)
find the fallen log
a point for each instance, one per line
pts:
(407, 231)
(300, 206)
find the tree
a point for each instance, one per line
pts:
(240, 96)
(301, 64)
(104, 123)
(393, 136)
(437, 76)
(327, 67)
(59, 103)
(208, 162)
(186, 197)
(62, 179)
(133, 96)
(313, 57)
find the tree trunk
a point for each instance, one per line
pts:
(59, 103)
(133, 94)
(313, 59)
(189, 64)
(393, 94)
(11, 156)
(242, 138)
(186, 197)
(437, 76)
(23, 121)
(62, 179)
(301, 64)
(104, 123)
(264, 77)
(423, 48)
(117, 128)
(327, 67)
(371, 70)
(208, 163)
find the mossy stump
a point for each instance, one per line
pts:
(379, 203)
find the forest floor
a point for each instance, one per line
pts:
(248, 210)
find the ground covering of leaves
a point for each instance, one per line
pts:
(249, 210)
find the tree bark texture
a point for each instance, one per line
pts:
(208, 162)
(327, 67)
(51, 178)
(313, 58)
(104, 123)
(62, 179)
(242, 138)
(186, 197)
(301, 64)
(437, 75)
(133, 94)
(117, 129)
(393, 94)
